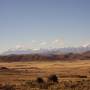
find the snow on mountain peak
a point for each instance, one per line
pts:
(86, 45)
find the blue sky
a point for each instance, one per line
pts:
(44, 23)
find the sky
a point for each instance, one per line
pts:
(44, 23)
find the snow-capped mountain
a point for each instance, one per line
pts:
(48, 51)
(17, 52)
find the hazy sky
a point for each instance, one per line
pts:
(44, 23)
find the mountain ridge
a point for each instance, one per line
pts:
(45, 57)
(48, 51)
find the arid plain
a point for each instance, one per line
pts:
(16, 72)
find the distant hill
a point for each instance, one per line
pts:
(48, 57)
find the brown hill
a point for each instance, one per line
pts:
(51, 57)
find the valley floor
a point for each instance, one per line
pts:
(19, 72)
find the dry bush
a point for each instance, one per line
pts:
(8, 87)
(4, 68)
(41, 84)
(40, 80)
(53, 78)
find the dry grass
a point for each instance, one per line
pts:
(20, 72)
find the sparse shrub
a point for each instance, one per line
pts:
(82, 76)
(40, 80)
(30, 84)
(8, 87)
(3, 68)
(53, 78)
(40, 83)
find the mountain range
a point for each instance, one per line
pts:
(61, 54)
(64, 50)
